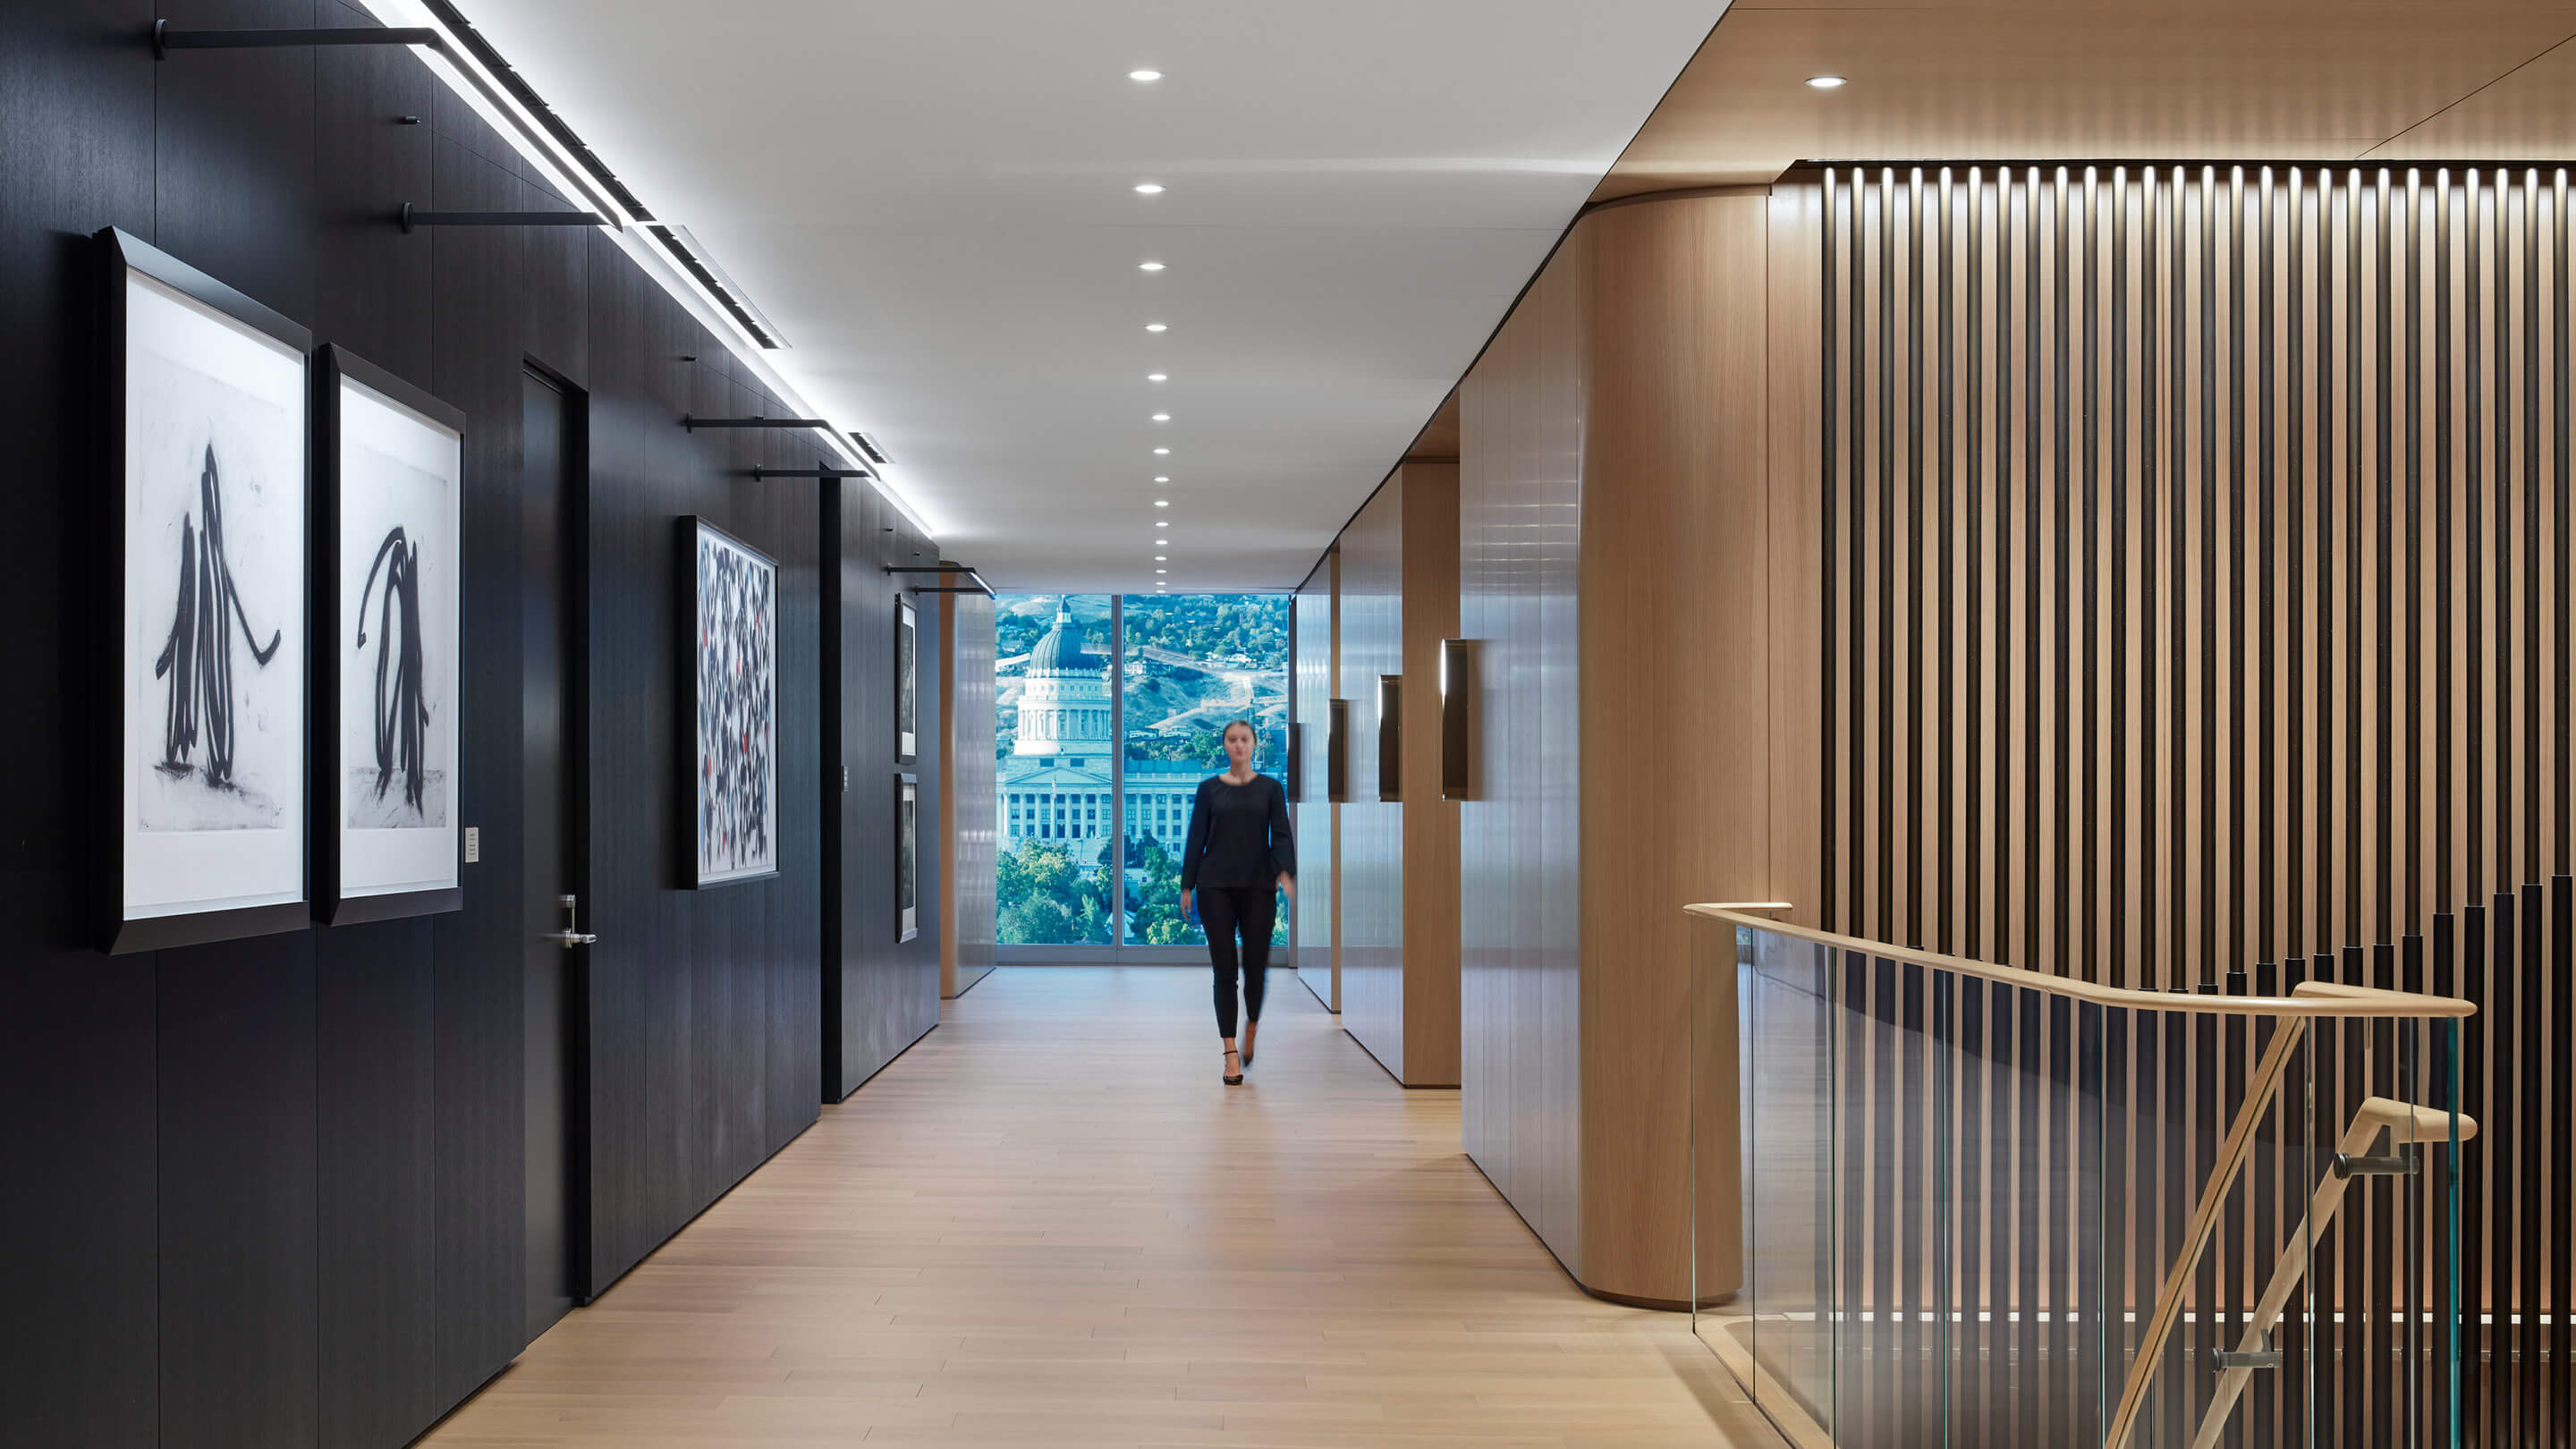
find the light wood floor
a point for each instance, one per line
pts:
(1049, 1224)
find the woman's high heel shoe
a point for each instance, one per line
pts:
(1249, 1032)
(1234, 1078)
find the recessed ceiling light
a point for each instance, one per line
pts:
(1155, 188)
(1156, 327)
(1162, 503)
(1144, 75)
(1162, 417)
(1159, 478)
(1158, 377)
(1161, 557)
(1162, 450)
(1149, 266)
(1163, 524)
(1162, 571)
(1820, 82)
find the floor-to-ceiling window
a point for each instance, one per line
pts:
(1190, 664)
(1055, 764)
(1110, 713)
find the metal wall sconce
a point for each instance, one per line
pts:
(978, 586)
(1390, 737)
(1457, 689)
(1337, 751)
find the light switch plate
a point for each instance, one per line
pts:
(473, 844)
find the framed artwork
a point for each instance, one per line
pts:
(906, 631)
(388, 462)
(206, 425)
(907, 875)
(733, 697)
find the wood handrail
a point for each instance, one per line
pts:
(2307, 999)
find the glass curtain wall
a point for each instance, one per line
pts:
(1109, 713)
(1190, 664)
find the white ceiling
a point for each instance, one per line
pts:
(932, 200)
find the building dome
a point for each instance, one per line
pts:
(1061, 651)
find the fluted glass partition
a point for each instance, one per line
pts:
(1937, 1202)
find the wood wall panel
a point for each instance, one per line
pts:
(1371, 873)
(1429, 614)
(1318, 935)
(968, 821)
(2223, 510)
(2196, 592)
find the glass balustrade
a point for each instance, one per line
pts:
(1942, 1203)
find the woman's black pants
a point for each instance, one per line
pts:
(1255, 909)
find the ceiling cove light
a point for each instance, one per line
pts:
(1144, 75)
(1149, 266)
(1149, 188)
(1156, 327)
(1820, 82)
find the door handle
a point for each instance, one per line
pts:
(571, 935)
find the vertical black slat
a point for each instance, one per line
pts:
(1971, 939)
(2266, 944)
(2336, 479)
(2294, 594)
(2524, 1013)
(2471, 978)
(2116, 716)
(2533, 682)
(2034, 724)
(2559, 856)
(1886, 486)
(2235, 609)
(1907, 739)
(2178, 402)
(1830, 465)
(2089, 775)
(2012, 890)
(2416, 323)
(1945, 931)
(1854, 469)
(2149, 490)
(2349, 467)
(2207, 907)
(2466, 794)
(2383, 374)
(2062, 479)
(2558, 1289)
(2445, 479)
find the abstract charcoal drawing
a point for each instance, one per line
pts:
(737, 705)
(402, 705)
(197, 660)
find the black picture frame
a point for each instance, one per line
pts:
(693, 875)
(907, 679)
(121, 256)
(330, 365)
(907, 856)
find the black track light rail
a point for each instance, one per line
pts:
(758, 473)
(693, 424)
(412, 217)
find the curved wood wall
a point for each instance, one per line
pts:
(1634, 588)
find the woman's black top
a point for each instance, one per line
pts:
(1239, 835)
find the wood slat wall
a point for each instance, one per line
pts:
(2197, 616)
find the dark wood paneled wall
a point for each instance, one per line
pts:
(880, 994)
(2198, 575)
(970, 827)
(271, 1193)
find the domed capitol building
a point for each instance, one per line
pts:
(1056, 783)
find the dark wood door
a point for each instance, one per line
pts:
(551, 621)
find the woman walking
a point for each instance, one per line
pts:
(1240, 849)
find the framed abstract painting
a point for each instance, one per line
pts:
(389, 469)
(733, 698)
(907, 633)
(907, 858)
(206, 426)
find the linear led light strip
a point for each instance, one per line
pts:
(466, 63)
